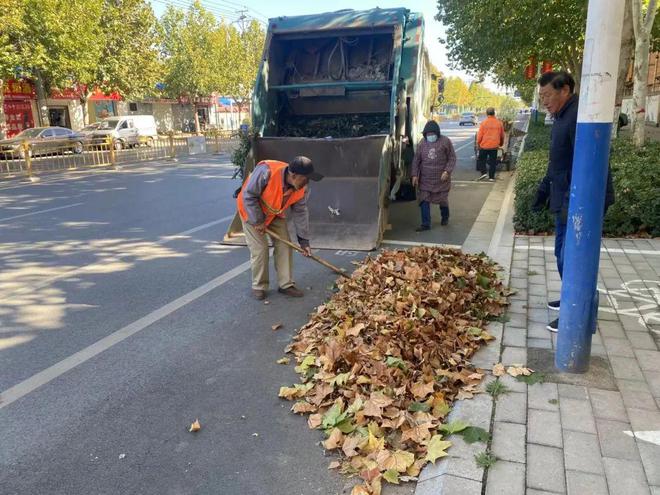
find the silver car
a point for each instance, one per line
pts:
(468, 118)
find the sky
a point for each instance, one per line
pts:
(264, 9)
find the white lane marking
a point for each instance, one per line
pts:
(43, 377)
(602, 250)
(464, 146)
(411, 243)
(84, 268)
(501, 220)
(646, 436)
(40, 212)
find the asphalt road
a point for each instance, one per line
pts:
(122, 320)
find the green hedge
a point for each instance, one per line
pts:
(636, 177)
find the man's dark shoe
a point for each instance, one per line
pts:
(553, 326)
(444, 221)
(292, 291)
(553, 305)
(422, 228)
(259, 294)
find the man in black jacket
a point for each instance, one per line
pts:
(557, 95)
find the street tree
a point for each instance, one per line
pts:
(457, 93)
(11, 30)
(129, 62)
(61, 44)
(500, 37)
(245, 53)
(643, 16)
(192, 43)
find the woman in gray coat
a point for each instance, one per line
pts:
(433, 164)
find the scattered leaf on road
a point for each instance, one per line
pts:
(284, 360)
(195, 426)
(277, 326)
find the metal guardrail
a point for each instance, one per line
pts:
(30, 158)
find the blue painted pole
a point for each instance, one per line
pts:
(579, 302)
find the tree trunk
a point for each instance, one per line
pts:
(197, 127)
(42, 109)
(642, 26)
(3, 119)
(625, 56)
(84, 102)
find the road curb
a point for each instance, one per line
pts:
(492, 233)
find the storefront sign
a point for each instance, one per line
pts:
(18, 115)
(18, 89)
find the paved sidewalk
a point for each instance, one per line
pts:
(597, 433)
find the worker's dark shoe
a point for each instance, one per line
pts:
(444, 211)
(553, 326)
(554, 305)
(259, 294)
(292, 291)
(422, 228)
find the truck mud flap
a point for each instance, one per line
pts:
(347, 209)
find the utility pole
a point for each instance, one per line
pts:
(579, 296)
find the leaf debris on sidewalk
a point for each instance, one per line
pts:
(383, 360)
(195, 426)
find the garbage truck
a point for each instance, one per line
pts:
(350, 90)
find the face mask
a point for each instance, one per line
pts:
(431, 138)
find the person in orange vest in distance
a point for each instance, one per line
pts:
(490, 137)
(271, 189)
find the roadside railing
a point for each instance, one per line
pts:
(28, 158)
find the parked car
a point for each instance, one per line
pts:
(127, 131)
(42, 141)
(468, 118)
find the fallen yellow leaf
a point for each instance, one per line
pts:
(195, 426)
(284, 360)
(499, 370)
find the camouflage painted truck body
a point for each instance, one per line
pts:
(350, 89)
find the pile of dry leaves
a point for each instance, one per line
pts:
(384, 359)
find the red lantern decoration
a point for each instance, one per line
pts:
(546, 67)
(530, 70)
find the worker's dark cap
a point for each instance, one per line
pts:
(302, 165)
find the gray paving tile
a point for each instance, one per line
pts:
(538, 331)
(448, 484)
(454, 466)
(540, 395)
(585, 484)
(626, 368)
(653, 381)
(576, 415)
(514, 385)
(607, 404)
(614, 442)
(539, 343)
(509, 441)
(582, 452)
(638, 399)
(612, 329)
(644, 419)
(514, 355)
(506, 478)
(573, 392)
(514, 337)
(511, 408)
(544, 428)
(619, 347)
(640, 340)
(651, 459)
(648, 360)
(545, 468)
(625, 477)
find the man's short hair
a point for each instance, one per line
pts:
(490, 111)
(558, 79)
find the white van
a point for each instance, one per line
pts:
(127, 131)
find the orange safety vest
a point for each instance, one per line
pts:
(273, 200)
(491, 133)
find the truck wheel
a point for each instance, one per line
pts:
(118, 145)
(78, 148)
